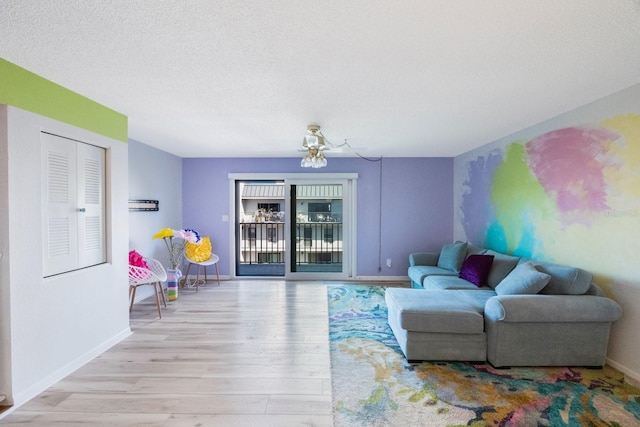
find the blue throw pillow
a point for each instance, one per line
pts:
(475, 269)
(524, 279)
(452, 255)
(501, 266)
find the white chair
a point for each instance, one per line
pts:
(154, 275)
(202, 256)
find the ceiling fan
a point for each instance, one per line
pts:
(315, 139)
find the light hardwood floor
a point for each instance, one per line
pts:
(247, 353)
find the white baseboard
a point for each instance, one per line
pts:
(630, 376)
(45, 383)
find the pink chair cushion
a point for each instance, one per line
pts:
(137, 260)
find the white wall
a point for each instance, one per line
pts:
(57, 324)
(153, 175)
(5, 307)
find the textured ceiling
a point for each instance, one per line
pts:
(231, 78)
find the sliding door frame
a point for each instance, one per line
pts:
(348, 180)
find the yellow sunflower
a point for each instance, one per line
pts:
(163, 234)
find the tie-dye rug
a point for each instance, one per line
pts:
(373, 385)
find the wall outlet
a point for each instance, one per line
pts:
(389, 262)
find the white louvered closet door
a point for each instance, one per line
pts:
(91, 227)
(73, 204)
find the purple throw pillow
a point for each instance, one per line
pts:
(475, 269)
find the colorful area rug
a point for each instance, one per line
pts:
(373, 385)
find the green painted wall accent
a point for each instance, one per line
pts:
(23, 89)
(520, 202)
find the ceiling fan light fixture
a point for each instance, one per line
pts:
(313, 144)
(314, 161)
(311, 141)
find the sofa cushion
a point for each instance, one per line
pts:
(442, 283)
(524, 279)
(475, 269)
(474, 250)
(424, 258)
(452, 255)
(501, 266)
(565, 280)
(436, 311)
(417, 273)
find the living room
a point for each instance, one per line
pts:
(578, 206)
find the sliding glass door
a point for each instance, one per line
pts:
(317, 230)
(261, 240)
(301, 227)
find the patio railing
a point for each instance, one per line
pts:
(318, 247)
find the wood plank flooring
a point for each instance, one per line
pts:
(247, 353)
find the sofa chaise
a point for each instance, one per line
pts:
(474, 304)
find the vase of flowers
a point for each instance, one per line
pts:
(173, 277)
(176, 254)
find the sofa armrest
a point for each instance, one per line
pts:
(424, 258)
(551, 308)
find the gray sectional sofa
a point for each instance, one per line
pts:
(473, 304)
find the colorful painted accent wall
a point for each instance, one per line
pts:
(566, 191)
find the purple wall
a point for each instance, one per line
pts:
(417, 204)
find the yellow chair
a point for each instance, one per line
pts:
(201, 255)
(154, 275)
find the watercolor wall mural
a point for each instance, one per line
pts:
(554, 194)
(566, 191)
(535, 197)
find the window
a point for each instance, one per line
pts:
(328, 234)
(308, 233)
(251, 234)
(73, 195)
(319, 212)
(269, 207)
(272, 235)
